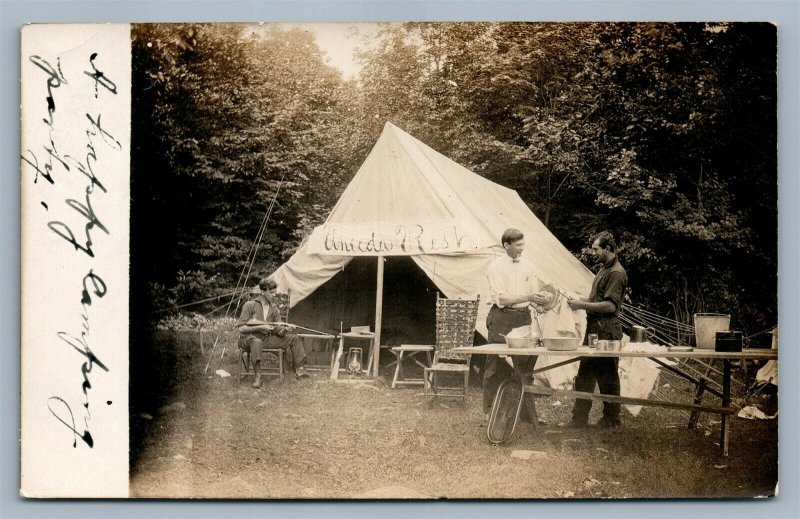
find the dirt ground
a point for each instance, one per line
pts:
(217, 437)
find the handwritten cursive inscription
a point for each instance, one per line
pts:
(93, 285)
(99, 77)
(55, 77)
(85, 210)
(60, 409)
(75, 169)
(75, 107)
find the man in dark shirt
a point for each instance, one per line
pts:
(603, 307)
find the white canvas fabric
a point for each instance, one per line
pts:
(408, 199)
(404, 200)
(768, 374)
(305, 272)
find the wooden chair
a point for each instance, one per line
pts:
(277, 368)
(455, 326)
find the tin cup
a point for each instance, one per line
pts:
(602, 345)
(593, 340)
(614, 345)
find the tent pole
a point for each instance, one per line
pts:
(376, 345)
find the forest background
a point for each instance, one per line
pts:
(665, 133)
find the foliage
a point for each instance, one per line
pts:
(195, 321)
(664, 133)
(663, 156)
(638, 128)
(232, 124)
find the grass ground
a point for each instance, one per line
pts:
(218, 437)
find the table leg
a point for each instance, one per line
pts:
(335, 357)
(725, 423)
(369, 358)
(425, 370)
(530, 404)
(397, 368)
(413, 356)
(527, 398)
(698, 397)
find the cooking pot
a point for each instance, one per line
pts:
(521, 342)
(561, 343)
(641, 334)
(522, 337)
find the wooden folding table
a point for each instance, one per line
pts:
(724, 410)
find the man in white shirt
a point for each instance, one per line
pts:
(513, 286)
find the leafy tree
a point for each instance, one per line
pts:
(227, 119)
(659, 132)
(663, 132)
(652, 113)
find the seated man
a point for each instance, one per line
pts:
(258, 330)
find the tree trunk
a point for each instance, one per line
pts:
(547, 207)
(700, 184)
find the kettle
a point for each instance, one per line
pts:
(641, 334)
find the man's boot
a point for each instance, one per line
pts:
(301, 372)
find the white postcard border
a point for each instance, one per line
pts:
(75, 207)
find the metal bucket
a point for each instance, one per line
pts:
(706, 327)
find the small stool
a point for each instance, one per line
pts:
(412, 350)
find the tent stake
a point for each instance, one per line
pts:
(376, 345)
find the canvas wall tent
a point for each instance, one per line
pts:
(407, 200)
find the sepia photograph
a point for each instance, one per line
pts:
(400, 261)
(460, 260)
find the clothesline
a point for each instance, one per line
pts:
(218, 296)
(659, 318)
(659, 334)
(661, 322)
